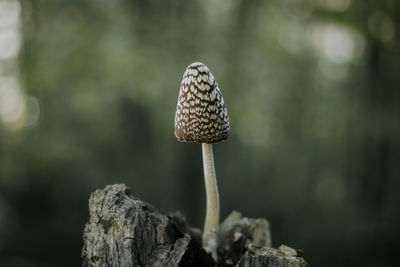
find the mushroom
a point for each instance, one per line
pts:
(201, 117)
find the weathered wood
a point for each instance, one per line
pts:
(265, 256)
(125, 231)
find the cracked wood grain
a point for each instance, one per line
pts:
(125, 231)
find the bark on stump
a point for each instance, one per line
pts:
(125, 231)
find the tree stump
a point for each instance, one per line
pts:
(125, 231)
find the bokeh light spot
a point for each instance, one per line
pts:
(10, 42)
(338, 44)
(381, 26)
(9, 13)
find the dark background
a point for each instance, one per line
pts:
(88, 91)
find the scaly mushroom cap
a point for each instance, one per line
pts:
(201, 115)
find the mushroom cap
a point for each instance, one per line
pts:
(201, 114)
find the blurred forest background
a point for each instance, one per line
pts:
(88, 91)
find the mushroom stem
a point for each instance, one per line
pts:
(212, 214)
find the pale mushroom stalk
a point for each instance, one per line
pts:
(201, 116)
(212, 213)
